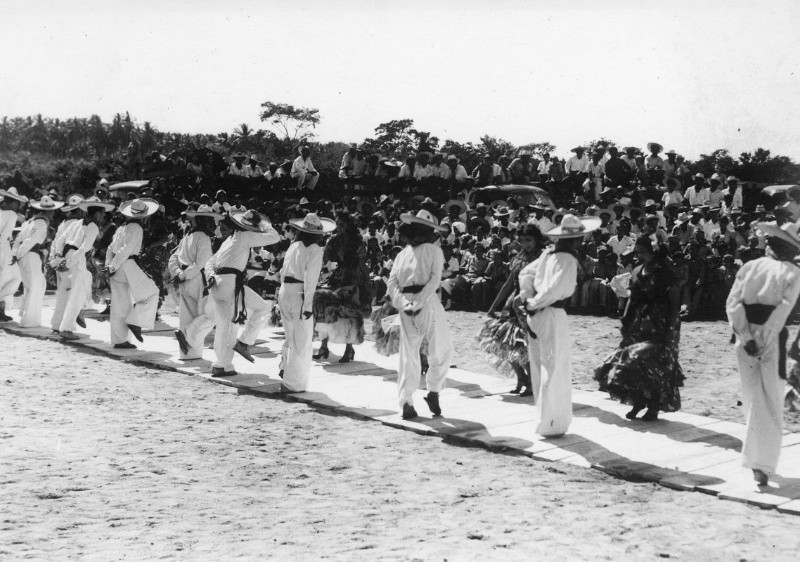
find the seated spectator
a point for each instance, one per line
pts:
(303, 170)
(254, 167)
(698, 193)
(237, 167)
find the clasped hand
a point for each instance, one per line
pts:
(751, 348)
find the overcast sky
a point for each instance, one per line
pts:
(692, 75)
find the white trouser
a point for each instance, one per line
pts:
(223, 293)
(76, 281)
(307, 180)
(196, 316)
(298, 331)
(62, 294)
(430, 323)
(30, 312)
(551, 351)
(134, 300)
(10, 278)
(762, 400)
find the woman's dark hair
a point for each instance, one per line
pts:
(782, 249)
(350, 228)
(660, 251)
(420, 234)
(307, 238)
(532, 231)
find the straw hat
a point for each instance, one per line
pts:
(578, 149)
(249, 220)
(203, 211)
(425, 218)
(46, 203)
(654, 147)
(12, 193)
(789, 232)
(610, 212)
(574, 227)
(96, 202)
(73, 202)
(312, 224)
(139, 208)
(461, 204)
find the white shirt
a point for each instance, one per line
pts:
(715, 197)
(8, 220)
(242, 172)
(696, 198)
(763, 281)
(256, 172)
(301, 166)
(235, 250)
(441, 171)
(82, 236)
(59, 240)
(422, 172)
(127, 242)
(33, 231)
(576, 164)
(672, 198)
(544, 168)
(218, 207)
(461, 174)
(194, 251)
(620, 245)
(550, 278)
(304, 263)
(415, 265)
(736, 202)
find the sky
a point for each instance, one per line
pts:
(693, 76)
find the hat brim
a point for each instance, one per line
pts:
(461, 204)
(590, 224)
(235, 216)
(410, 218)
(193, 214)
(578, 148)
(20, 198)
(328, 226)
(772, 229)
(38, 206)
(85, 205)
(127, 210)
(652, 145)
(610, 212)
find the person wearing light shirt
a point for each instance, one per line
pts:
(234, 302)
(672, 196)
(72, 215)
(237, 167)
(186, 266)
(134, 296)
(758, 306)
(10, 276)
(303, 170)
(79, 240)
(253, 168)
(735, 190)
(697, 194)
(26, 252)
(620, 242)
(579, 163)
(423, 169)
(413, 288)
(439, 169)
(299, 277)
(543, 170)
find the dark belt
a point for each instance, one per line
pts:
(288, 279)
(758, 313)
(202, 275)
(67, 248)
(412, 289)
(138, 261)
(239, 317)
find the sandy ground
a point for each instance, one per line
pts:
(105, 460)
(712, 386)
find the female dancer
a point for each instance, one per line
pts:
(760, 301)
(414, 290)
(196, 317)
(235, 302)
(340, 309)
(644, 371)
(299, 277)
(504, 338)
(134, 296)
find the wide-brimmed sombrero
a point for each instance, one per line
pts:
(90, 202)
(249, 220)
(610, 212)
(73, 202)
(139, 208)
(500, 212)
(574, 227)
(578, 149)
(46, 203)
(203, 211)
(312, 224)
(654, 147)
(462, 205)
(425, 218)
(788, 232)
(12, 193)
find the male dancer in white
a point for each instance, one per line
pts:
(134, 296)
(299, 277)
(414, 289)
(196, 316)
(235, 302)
(10, 276)
(545, 286)
(72, 215)
(762, 297)
(80, 239)
(26, 252)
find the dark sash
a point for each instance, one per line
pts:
(239, 317)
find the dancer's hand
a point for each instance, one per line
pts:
(211, 281)
(307, 314)
(751, 348)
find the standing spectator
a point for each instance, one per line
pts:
(698, 193)
(596, 172)
(616, 169)
(543, 170)
(521, 168)
(673, 195)
(254, 168)
(735, 192)
(237, 167)
(487, 172)
(670, 166)
(303, 169)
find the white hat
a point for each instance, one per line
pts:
(249, 220)
(46, 203)
(789, 232)
(423, 217)
(203, 211)
(73, 202)
(303, 201)
(139, 208)
(574, 227)
(86, 204)
(12, 193)
(312, 224)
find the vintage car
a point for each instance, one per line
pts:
(122, 189)
(495, 195)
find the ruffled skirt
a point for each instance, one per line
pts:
(386, 331)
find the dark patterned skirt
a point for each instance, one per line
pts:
(386, 331)
(639, 372)
(505, 342)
